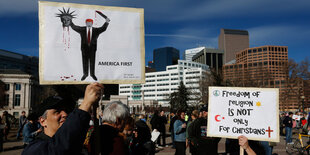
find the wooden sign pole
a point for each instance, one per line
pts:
(241, 151)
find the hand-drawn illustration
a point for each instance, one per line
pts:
(89, 36)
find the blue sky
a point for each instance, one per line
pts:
(182, 24)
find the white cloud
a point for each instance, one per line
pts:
(186, 38)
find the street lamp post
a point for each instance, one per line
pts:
(302, 103)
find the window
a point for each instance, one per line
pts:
(17, 100)
(6, 99)
(172, 68)
(163, 84)
(124, 87)
(18, 86)
(265, 49)
(150, 76)
(7, 86)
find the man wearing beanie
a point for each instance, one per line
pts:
(63, 133)
(198, 135)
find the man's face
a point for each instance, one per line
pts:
(54, 120)
(23, 113)
(89, 24)
(204, 114)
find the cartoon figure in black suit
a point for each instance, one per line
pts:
(89, 36)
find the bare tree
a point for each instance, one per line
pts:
(295, 83)
(211, 78)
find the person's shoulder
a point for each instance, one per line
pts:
(35, 147)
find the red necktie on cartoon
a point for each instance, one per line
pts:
(88, 36)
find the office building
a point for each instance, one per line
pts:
(266, 66)
(159, 85)
(164, 57)
(27, 64)
(210, 57)
(189, 53)
(21, 92)
(232, 41)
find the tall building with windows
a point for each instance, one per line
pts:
(189, 53)
(265, 66)
(165, 56)
(232, 41)
(211, 57)
(159, 85)
(11, 60)
(21, 91)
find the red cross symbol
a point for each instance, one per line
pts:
(269, 131)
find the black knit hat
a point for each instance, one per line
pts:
(54, 102)
(204, 108)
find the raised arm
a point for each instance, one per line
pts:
(105, 25)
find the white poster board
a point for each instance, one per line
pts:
(252, 112)
(296, 117)
(110, 51)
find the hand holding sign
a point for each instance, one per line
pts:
(244, 145)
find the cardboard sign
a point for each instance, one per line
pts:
(81, 44)
(296, 117)
(252, 112)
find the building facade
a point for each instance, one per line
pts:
(27, 64)
(266, 67)
(189, 53)
(159, 85)
(211, 57)
(232, 41)
(164, 57)
(21, 92)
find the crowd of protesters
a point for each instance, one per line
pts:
(54, 128)
(290, 121)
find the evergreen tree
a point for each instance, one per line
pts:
(179, 98)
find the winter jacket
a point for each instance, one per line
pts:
(68, 139)
(179, 132)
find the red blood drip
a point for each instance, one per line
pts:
(62, 79)
(68, 38)
(63, 35)
(95, 18)
(71, 75)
